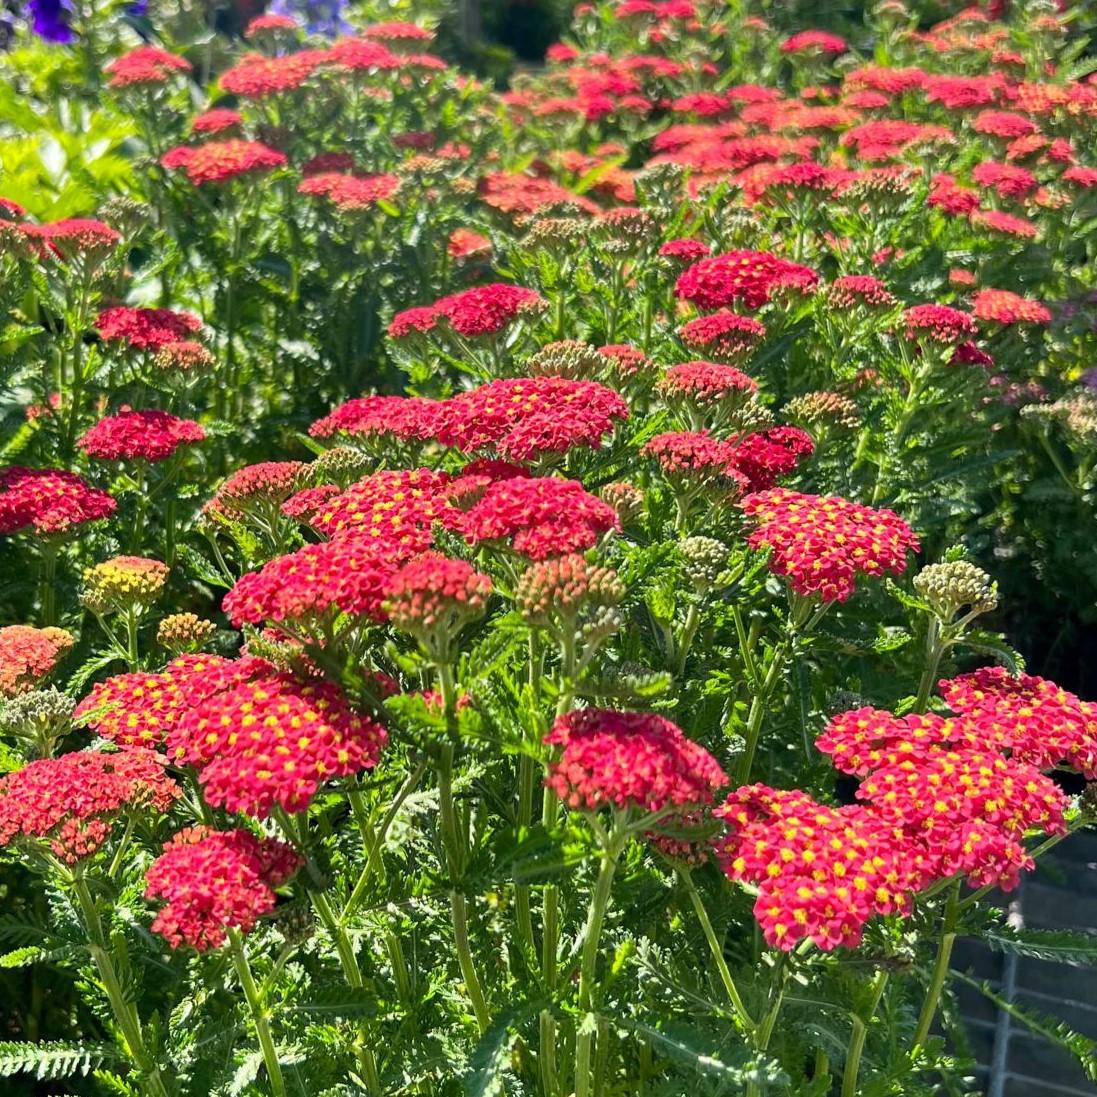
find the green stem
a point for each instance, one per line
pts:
(599, 903)
(935, 649)
(742, 1015)
(693, 619)
(459, 917)
(550, 1083)
(47, 592)
(857, 1039)
(759, 705)
(259, 1015)
(940, 967)
(124, 1010)
(133, 657)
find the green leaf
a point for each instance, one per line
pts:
(490, 1061)
(689, 1048)
(1082, 1048)
(54, 1058)
(1059, 945)
(990, 643)
(336, 1001)
(28, 957)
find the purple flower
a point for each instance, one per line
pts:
(49, 19)
(319, 16)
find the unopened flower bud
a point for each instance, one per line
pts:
(40, 714)
(295, 922)
(184, 633)
(950, 586)
(705, 558)
(551, 594)
(344, 465)
(567, 358)
(625, 498)
(828, 410)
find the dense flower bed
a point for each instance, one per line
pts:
(501, 585)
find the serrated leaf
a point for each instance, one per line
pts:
(54, 1058)
(1059, 945)
(336, 1001)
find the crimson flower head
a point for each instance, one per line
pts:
(71, 802)
(221, 161)
(858, 290)
(214, 880)
(636, 761)
(1004, 307)
(146, 65)
(723, 336)
(216, 120)
(814, 41)
(685, 250)
(394, 507)
(263, 487)
(272, 740)
(525, 418)
(539, 516)
(49, 500)
(76, 238)
(822, 543)
(351, 192)
(706, 383)
(762, 456)
(270, 23)
(320, 582)
(404, 418)
(144, 435)
(258, 76)
(939, 324)
(433, 598)
(483, 310)
(695, 460)
(146, 329)
(27, 655)
(1005, 223)
(751, 276)
(821, 872)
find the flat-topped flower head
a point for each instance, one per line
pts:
(402, 418)
(953, 585)
(762, 456)
(394, 507)
(222, 161)
(258, 76)
(146, 329)
(69, 804)
(146, 66)
(433, 598)
(487, 310)
(938, 324)
(138, 709)
(139, 435)
(814, 41)
(348, 193)
(695, 460)
(265, 485)
(272, 740)
(319, 582)
(539, 517)
(123, 583)
(49, 501)
(184, 633)
(821, 544)
(723, 336)
(821, 872)
(73, 239)
(216, 120)
(631, 761)
(522, 419)
(823, 411)
(706, 384)
(753, 277)
(567, 358)
(1004, 307)
(28, 654)
(213, 881)
(852, 291)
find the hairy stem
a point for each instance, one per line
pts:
(260, 1018)
(940, 967)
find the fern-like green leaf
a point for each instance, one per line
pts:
(54, 1059)
(1060, 945)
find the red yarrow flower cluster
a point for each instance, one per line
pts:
(76, 237)
(146, 435)
(406, 418)
(265, 485)
(259, 76)
(631, 761)
(318, 582)
(939, 324)
(28, 654)
(221, 161)
(764, 455)
(49, 501)
(433, 598)
(814, 41)
(216, 120)
(858, 290)
(540, 517)
(144, 65)
(395, 507)
(70, 803)
(351, 192)
(138, 709)
(723, 336)
(821, 872)
(524, 418)
(1035, 720)
(751, 276)
(1004, 307)
(706, 383)
(213, 880)
(483, 310)
(271, 740)
(822, 543)
(146, 329)
(694, 459)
